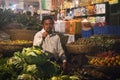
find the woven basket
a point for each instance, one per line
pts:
(8, 49)
(77, 49)
(72, 48)
(21, 34)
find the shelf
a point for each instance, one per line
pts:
(97, 15)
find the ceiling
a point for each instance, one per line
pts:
(31, 0)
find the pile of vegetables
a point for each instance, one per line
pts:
(6, 17)
(31, 64)
(28, 21)
(15, 42)
(99, 42)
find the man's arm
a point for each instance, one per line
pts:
(37, 39)
(62, 54)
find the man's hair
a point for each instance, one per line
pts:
(46, 18)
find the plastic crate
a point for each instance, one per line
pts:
(115, 30)
(112, 30)
(101, 30)
(87, 33)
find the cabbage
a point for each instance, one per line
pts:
(39, 59)
(50, 68)
(25, 77)
(32, 61)
(33, 55)
(27, 51)
(14, 61)
(31, 68)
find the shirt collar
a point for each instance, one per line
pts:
(52, 34)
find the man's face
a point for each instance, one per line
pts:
(48, 26)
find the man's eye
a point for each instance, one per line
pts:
(48, 24)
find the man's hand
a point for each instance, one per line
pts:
(64, 65)
(44, 35)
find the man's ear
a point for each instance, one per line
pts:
(42, 25)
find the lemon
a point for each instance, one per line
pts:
(54, 78)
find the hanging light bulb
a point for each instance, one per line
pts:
(76, 3)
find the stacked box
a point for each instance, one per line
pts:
(75, 27)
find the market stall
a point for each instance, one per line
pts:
(89, 32)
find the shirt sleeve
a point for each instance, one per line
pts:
(38, 39)
(61, 52)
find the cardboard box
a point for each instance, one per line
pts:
(75, 27)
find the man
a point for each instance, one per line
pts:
(49, 41)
